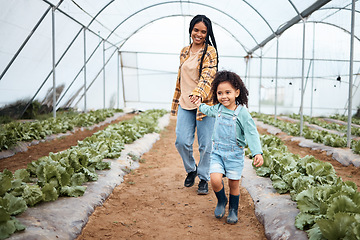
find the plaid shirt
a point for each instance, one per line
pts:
(207, 76)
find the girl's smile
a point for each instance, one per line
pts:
(227, 94)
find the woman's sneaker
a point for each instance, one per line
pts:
(203, 187)
(190, 179)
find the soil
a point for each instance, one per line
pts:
(152, 202)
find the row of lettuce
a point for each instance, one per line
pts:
(329, 207)
(324, 137)
(332, 126)
(355, 120)
(14, 132)
(63, 173)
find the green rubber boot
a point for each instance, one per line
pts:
(222, 201)
(233, 209)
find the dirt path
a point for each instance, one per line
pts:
(152, 203)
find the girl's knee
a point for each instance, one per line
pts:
(234, 186)
(216, 181)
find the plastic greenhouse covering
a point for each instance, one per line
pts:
(117, 54)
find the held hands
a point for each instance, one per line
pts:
(195, 100)
(258, 160)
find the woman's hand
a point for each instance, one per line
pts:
(195, 100)
(258, 160)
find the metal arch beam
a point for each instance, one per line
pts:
(175, 15)
(317, 5)
(251, 6)
(336, 26)
(293, 5)
(93, 19)
(267, 23)
(337, 8)
(170, 2)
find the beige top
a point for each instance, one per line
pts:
(189, 80)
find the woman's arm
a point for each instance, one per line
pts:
(209, 69)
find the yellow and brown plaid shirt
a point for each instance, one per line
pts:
(209, 69)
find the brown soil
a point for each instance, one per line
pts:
(152, 202)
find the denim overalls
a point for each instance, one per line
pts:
(227, 157)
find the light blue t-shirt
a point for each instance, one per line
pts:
(246, 131)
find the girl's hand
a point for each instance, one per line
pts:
(195, 100)
(258, 160)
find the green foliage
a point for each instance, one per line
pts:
(14, 132)
(344, 118)
(355, 146)
(324, 137)
(64, 173)
(329, 207)
(7, 228)
(74, 191)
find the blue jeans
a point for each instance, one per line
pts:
(185, 134)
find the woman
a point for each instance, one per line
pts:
(198, 66)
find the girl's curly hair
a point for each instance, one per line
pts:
(235, 81)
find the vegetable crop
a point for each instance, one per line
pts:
(14, 132)
(63, 173)
(324, 137)
(329, 207)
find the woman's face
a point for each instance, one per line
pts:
(198, 34)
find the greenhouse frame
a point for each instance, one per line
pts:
(294, 56)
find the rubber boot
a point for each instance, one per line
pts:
(233, 209)
(222, 201)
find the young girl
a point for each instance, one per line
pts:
(233, 128)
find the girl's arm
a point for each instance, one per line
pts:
(210, 111)
(252, 137)
(258, 160)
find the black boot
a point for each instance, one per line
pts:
(233, 209)
(190, 178)
(222, 201)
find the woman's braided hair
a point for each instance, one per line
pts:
(210, 34)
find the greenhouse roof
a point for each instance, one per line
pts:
(251, 23)
(78, 39)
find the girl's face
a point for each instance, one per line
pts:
(226, 95)
(198, 34)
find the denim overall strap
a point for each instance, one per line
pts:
(237, 110)
(225, 128)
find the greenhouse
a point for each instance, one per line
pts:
(109, 68)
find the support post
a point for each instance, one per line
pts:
(312, 74)
(276, 74)
(260, 80)
(118, 78)
(351, 73)
(122, 79)
(85, 109)
(53, 59)
(104, 75)
(302, 82)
